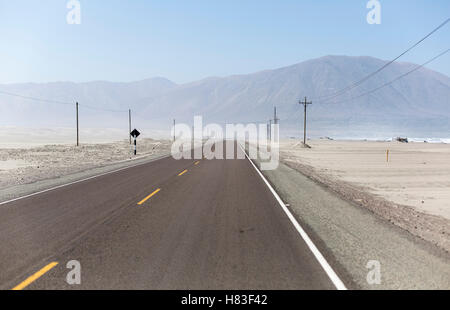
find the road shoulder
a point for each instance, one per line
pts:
(350, 237)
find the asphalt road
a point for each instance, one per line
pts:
(213, 224)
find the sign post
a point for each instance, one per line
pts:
(135, 133)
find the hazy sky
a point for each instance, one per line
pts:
(189, 40)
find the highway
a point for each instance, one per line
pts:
(165, 224)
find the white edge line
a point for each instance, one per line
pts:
(322, 261)
(83, 180)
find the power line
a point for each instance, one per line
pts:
(60, 102)
(396, 79)
(290, 117)
(355, 84)
(103, 109)
(36, 99)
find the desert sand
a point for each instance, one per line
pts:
(22, 137)
(27, 163)
(416, 174)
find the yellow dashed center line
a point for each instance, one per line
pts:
(34, 277)
(182, 173)
(149, 196)
(197, 163)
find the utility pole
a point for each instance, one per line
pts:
(275, 122)
(174, 123)
(78, 130)
(129, 124)
(270, 130)
(275, 118)
(305, 103)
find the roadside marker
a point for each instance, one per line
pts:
(149, 196)
(182, 173)
(135, 133)
(322, 261)
(34, 277)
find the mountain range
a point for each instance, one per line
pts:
(416, 105)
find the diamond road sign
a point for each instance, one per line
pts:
(135, 133)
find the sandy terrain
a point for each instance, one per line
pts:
(20, 137)
(417, 174)
(20, 166)
(349, 236)
(412, 190)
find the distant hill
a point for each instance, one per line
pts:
(416, 105)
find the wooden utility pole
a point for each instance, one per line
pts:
(270, 130)
(275, 122)
(275, 118)
(129, 124)
(305, 103)
(174, 123)
(78, 128)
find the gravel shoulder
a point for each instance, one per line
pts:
(350, 236)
